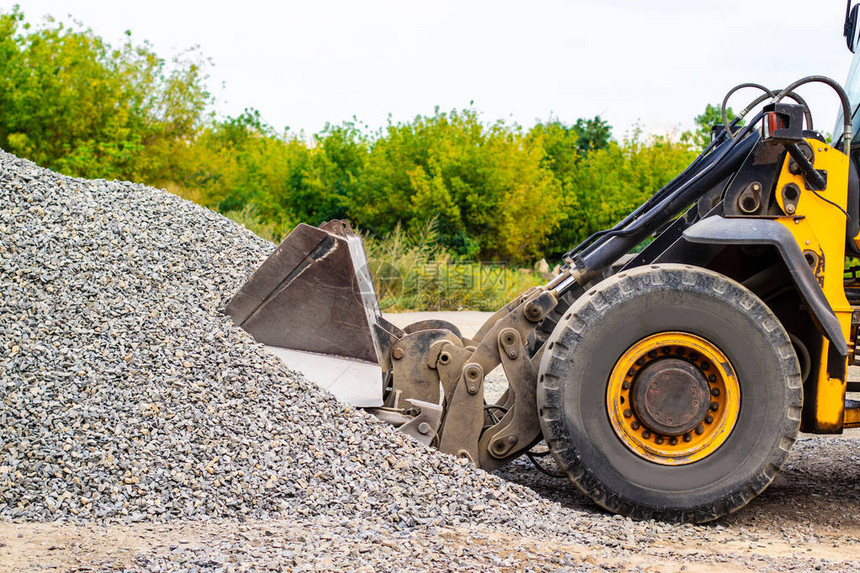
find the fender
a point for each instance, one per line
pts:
(747, 231)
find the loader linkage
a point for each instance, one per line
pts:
(425, 359)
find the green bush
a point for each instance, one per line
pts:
(73, 103)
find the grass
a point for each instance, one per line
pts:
(413, 272)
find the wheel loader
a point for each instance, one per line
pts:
(666, 383)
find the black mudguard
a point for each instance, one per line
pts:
(717, 230)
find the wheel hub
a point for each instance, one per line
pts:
(671, 396)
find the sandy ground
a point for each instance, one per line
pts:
(56, 547)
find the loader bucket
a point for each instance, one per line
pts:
(314, 294)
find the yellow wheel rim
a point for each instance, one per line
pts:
(673, 398)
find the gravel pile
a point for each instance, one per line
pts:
(124, 392)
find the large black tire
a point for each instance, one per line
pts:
(599, 328)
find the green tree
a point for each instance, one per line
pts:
(71, 102)
(592, 134)
(701, 137)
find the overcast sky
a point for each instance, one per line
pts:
(652, 62)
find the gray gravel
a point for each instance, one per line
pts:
(126, 394)
(126, 397)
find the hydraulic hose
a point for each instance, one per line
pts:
(807, 114)
(746, 110)
(843, 98)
